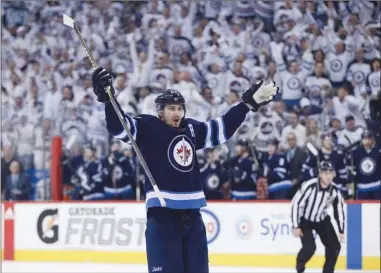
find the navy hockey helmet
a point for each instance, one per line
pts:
(243, 143)
(325, 166)
(367, 134)
(274, 142)
(170, 96)
(326, 135)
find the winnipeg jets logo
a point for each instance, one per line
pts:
(359, 76)
(212, 182)
(336, 65)
(181, 153)
(367, 166)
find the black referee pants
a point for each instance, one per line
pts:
(329, 239)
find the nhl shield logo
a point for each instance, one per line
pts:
(181, 153)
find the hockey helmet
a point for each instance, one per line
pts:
(243, 143)
(325, 166)
(367, 134)
(170, 96)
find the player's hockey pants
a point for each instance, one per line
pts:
(176, 241)
(329, 239)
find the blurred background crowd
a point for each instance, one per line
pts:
(324, 56)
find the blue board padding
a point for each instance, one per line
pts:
(354, 236)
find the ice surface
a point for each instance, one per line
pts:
(127, 268)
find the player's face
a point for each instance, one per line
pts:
(172, 115)
(327, 177)
(367, 142)
(327, 142)
(88, 154)
(272, 149)
(238, 150)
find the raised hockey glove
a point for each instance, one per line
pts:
(101, 79)
(259, 94)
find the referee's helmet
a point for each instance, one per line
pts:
(326, 166)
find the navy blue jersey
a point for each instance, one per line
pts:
(119, 174)
(243, 177)
(277, 169)
(213, 176)
(338, 161)
(368, 170)
(90, 177)
(170, 152)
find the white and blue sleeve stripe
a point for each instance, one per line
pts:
(215, 133)
(132, 126)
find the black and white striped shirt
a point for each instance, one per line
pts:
(312, 201)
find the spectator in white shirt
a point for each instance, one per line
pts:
(317, 85)
(295, 127)
(345, 104)
(358, 73)
(351, 134)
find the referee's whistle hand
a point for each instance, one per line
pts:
(297, 232)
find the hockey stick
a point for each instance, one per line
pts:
(71, 23)
(352, 184)
(315, 153)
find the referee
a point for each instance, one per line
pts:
(309, 212)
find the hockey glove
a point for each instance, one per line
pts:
(101, 79)
(259, 94)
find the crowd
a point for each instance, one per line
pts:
(324, 56)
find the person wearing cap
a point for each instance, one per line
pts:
(243, 182)
(89, 175)
(366, 161)
(309, 111)
(309, 212)
(351, 135)
(276, 171)
(333, 154)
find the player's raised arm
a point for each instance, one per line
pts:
(217, 131)
(101, 78)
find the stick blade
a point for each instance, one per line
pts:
(67, 20)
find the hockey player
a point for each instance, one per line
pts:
(243, 179)
(118, 175)
(213, 175)
(333, 155)
(175, 235)
(89, 174)
(366, 162)
(276, 171)
(309, 212)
